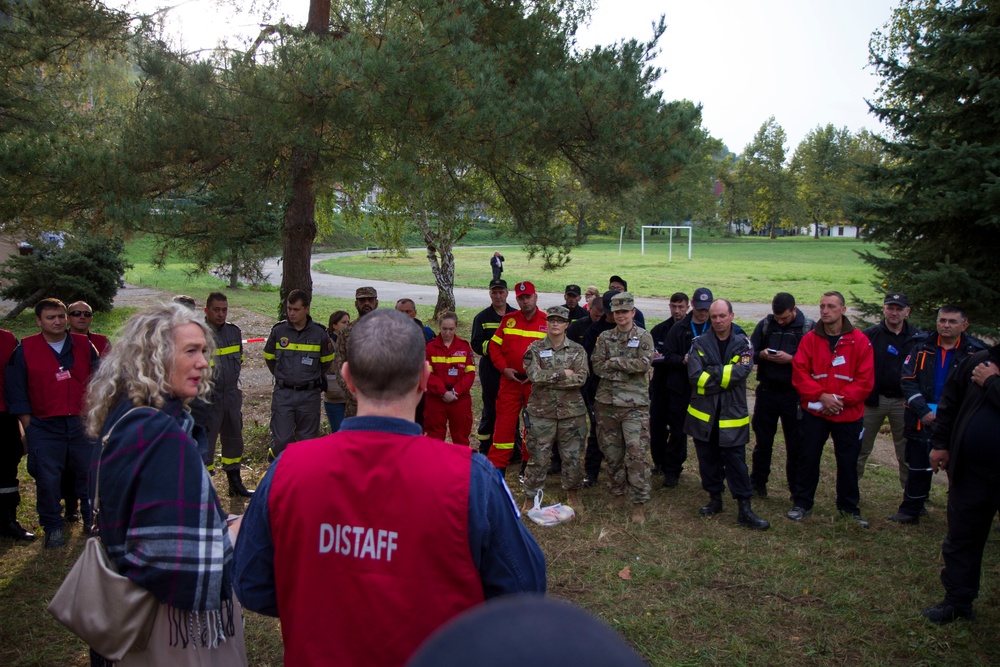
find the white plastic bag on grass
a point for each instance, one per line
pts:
(551, 515)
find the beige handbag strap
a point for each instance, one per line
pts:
(97, 473)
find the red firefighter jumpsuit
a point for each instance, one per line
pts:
(451, 368)
(507, 348)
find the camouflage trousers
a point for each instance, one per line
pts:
(571, 435)
(623, 436)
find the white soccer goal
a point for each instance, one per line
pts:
(670, 255)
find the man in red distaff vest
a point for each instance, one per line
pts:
(44, 384)
(516, 332)
(369, 539)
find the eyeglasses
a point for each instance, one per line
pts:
(80, 313)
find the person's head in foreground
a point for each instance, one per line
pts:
(549, 632)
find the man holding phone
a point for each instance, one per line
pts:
(516, 332)
(775, 341)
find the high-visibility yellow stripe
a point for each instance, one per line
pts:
(734, 423)
(227, 462)
(700, 353)
(484, 436)
(210, 467)
(523, 332)
(301, 347)
(269, 356)
(698, 414)
(504, 445)
(448, 360)
(701, 382)
(491, 325)
(326, 358)
(470, 369)
(222, 351)
(497, 339)
(727, 375)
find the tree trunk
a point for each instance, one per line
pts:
(25, 303)
(300, 217)
(300, 225)
(234, 269)
(442, 261)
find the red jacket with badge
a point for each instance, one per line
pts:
(452, 367)
(513, 337)
(847, 371)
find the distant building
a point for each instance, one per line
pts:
(842, 231)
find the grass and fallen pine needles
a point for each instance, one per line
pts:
(682, 589)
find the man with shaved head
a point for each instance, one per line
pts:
(413, 531)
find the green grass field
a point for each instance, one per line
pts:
(701, 591)
(750, 270)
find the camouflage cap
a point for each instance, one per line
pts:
(557, 311)
(622, 301)
(366, 293)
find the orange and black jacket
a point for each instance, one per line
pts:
(917, 378)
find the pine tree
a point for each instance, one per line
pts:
(934, 204)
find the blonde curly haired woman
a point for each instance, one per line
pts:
(158, 515)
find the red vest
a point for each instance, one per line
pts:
(370, 559)
(100, 343)
(49, 396)
(7, 345)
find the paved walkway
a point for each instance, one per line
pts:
(655, 310)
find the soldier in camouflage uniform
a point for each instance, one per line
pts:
(622, 359)
(557, 367)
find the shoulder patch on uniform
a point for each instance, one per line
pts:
(510, 322)
(283, 341)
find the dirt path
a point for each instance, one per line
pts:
(655, 310)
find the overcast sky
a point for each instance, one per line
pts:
(801, 61)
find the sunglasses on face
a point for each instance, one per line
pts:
(79, 313)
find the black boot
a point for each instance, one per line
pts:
(236, 488)
(714, 505)
(8, 518)
(749, 519)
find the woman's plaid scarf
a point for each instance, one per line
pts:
(162, 522)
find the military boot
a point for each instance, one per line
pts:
(714, 505)
(236, 488)
(749, 519)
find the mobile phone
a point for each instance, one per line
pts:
(771, 350)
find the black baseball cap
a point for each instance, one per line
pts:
(499, 282)
(702, 299)
(573, 289)
(897, 298)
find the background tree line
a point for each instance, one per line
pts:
(476, 109)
